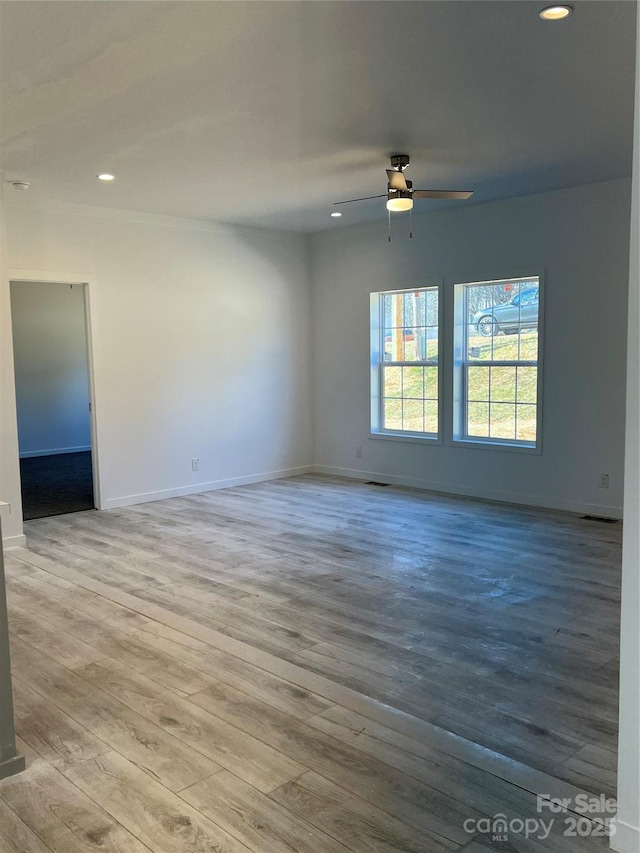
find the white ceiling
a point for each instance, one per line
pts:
(265, 113)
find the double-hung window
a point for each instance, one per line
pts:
(405, 344)
(496, 362)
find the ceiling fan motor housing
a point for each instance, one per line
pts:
(399, 162)
(408, 193)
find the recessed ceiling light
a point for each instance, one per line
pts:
(336, 213)
(105, 176)
(556, 13)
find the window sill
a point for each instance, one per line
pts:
(480, 444)
(409, 437)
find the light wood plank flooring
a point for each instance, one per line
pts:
(306, 665)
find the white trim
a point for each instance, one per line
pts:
(88, 283)
(11, 542)
(497, 444)
(49, 276)
(413, 437)
(199, 488)
(626, 838)
(472, 492)
(461, 364)
(377, 363)
(29, 454)
(98, 499)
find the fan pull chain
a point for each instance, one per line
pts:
(411, 223)
(389, 213)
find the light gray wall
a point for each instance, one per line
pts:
(627, 838)
(579, 239)
(12, 534)
(201, 344)
(50, 359)
(10, 761)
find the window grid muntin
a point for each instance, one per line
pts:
(522, 284)
(519, 406)
(427, 362)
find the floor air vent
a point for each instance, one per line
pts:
(373, 483)
(600, 519)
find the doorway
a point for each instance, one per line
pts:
(53, 397)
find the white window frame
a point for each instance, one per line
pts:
(461, 366)
(377, 362)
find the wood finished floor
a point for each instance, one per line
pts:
(306, 665)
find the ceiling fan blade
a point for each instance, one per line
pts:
(442, 193)
(397, 180)
(366, 198)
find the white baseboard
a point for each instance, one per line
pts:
(472, 492)
(28, 454)
(199, 488)
(11, 542)
(626, 839)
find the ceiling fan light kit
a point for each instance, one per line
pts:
(399, 200)
(399, 203)
(400, 193)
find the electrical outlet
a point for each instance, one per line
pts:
(604, 481)
(195, 464)
(358, 453)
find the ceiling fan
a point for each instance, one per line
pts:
(400, 193)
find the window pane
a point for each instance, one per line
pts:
(529, 345)
(479, 348)
(503, 384)
(527, 384)
(497, 328)
(395, 343)
(420, 300)
(410, 321)
(431, 416)
(478, 420)
(527, 415)
(412, 415)
(388, 310)
(412, 379)
(506, 347)
(478, 383)
(393, 414)
(431, 307)
(431, 383)
(503, 421)
(411, 342)
(393, 326)
(410, 310)
(495, 313)
(392, 381)
(422, 343)
(431, 335)
(410, 334)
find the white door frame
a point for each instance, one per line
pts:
(87, 282)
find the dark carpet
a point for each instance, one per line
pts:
(55, 485)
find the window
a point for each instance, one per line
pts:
(496, 362)
(405, 373)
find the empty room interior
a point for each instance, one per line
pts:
(319, 407)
